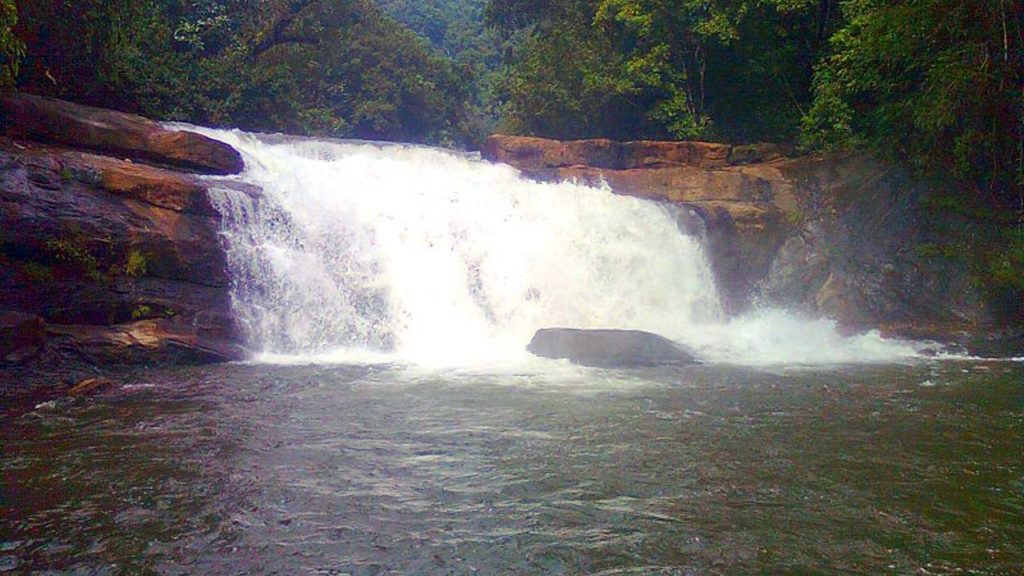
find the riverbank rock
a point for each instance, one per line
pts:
(126, 135)
(107, 242)
(92, 386)
(608, 348)
(111, 261)
(156, 341)
(20, 331)
(844, 236)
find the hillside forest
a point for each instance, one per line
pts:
(937, 85)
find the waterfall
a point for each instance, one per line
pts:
(353, 250)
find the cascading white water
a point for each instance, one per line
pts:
(434, 257)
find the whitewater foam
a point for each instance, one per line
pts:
(360, 252)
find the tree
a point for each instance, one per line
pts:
(935, 83)
(739, 70)
(11, 48)
(329, 67)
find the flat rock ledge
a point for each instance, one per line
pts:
(125, 135)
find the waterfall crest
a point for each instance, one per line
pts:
(430, 256)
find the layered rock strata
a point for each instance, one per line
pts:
(843, 236)
(117, 258)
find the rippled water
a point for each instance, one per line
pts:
(388, 470)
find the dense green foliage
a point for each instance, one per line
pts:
(11, 48)
(935, 83)
(456, 29)
(938, 84)
(308, 66)
(662, 68)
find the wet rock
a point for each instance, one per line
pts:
(538, 154)
(151, 342)
(744, 205)
(154, 186)
(19, 332)
(55, 121)
(109, 243)
(92, 386)
(608, 348)
(835, 235)
(754, 153)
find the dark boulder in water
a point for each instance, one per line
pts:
(609, 348)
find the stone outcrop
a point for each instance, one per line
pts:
(608, 348)
(125, 135)
(739, 192)
(118, 261)
(20, 333)
(842, 236)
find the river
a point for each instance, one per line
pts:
(384, 469)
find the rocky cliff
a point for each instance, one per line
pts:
(109, 249)
(843, 236)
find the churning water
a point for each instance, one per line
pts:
(355, 251)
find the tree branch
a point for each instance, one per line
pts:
(276, 35)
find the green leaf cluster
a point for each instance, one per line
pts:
(11, 48)
(938, 84)
(320, 67)
(712, 69)
(935, 84)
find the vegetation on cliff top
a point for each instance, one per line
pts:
(938, 84)
(302, 66)
(935, 84)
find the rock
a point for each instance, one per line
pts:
(88, 219)
(154, 186)
(52, 168)
(58, 122)
(854, 259)
(150, 342)
(744, 205)
(92, 386)
(753, 153)
(65, 252)
(19, 331)
(539, 154)
(608, 348)
(835, 235)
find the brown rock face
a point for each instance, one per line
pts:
(19, 330)
(91, 386)
(93, 242)
(540, 154)
(743, 204)
(163, 341)
(59, 122)
(836, 235)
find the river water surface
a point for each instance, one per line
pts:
(250, 469)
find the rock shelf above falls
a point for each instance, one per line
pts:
(834, 236)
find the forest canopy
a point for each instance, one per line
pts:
(936, 84)
(305, 66)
